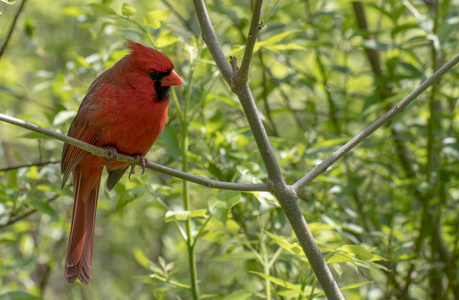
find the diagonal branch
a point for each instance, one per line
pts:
(242, 73)
(284, 193)
(397, 109)
(210, 37)
(24, 215)
(13, 25)
(133, 161)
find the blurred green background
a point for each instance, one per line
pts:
(385, 216)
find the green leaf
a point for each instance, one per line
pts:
(127, 10)
(281, 282)
(36, 135)
(183, 215)
(404, 27)
(240, 295)
(348, 287)
(331, 142)
(199, 213)
(72, 11)
(340, 258)
(232, 226)
(154, 18)
(161, 278)
(44, 208)
(169, 137)
(234, 256)
(102, 9)
(141, 258)
(218, 209)
(222, 202)
(283, 47)
(358, 251)
(318, 227)
(9, 1)
(165, 38)
(12, 179)
(281, 241)
(272, 44)
(124, 199)
(277, 38)
(63, 116)
(17, 295)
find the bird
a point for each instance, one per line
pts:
(124, 111)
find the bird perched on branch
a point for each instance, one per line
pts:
(125, 110)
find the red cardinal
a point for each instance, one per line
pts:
(125, 110)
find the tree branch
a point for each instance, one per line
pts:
(131, 160)
(322, 167)
(210, 38)
(10, 31)
(182, 19)
(284, 193)
(38, 164)
(242, 74)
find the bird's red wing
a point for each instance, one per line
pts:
(72, 155)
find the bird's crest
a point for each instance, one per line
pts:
(148, 58)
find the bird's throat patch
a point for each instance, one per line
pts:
(162, 92)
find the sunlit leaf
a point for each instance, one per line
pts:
(183, 215)
(347, 287)
(155, 18)
(127, 10)
(221, 203)
(358, 251)
(280, 282)
(64, 116)
(44, 207)
(173, 282)
(17, 295)
(234, 256)
(102, 9)
(240, 295)
(141, 258)
(295, 248)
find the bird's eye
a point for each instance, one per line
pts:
(153, 74)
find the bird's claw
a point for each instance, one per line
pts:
(113, 153)
(143, 161)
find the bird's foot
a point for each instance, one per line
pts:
(113, 153)
(143, 161)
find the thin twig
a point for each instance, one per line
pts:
(39, 164)
(13, 25)
(210, 38)
(131, 160)
(182, 19)
(397, 109)
(264, 93)
(242, 74)
(24, 215)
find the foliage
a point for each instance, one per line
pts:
(384, 216)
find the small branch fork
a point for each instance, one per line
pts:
(237, 79)
(286, 195)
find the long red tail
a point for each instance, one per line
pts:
(86, 183)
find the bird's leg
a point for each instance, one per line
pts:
(143, 161)
(113, 153)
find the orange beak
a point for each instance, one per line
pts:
(171, 79)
